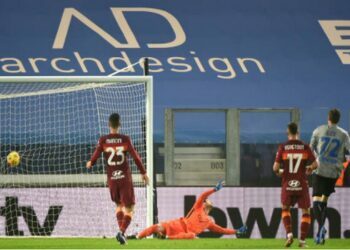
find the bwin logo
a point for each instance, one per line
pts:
(129, 36)
(294, 183)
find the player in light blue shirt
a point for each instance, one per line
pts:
(329, 143)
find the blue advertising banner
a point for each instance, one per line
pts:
(202, 53)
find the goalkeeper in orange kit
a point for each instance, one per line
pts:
(196, 221)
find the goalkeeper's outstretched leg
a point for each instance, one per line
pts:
(154, 229)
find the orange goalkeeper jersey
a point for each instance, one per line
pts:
(197, 220)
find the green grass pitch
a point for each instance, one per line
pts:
(98, 243)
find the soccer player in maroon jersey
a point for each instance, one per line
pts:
(295, 156)
(115, 147)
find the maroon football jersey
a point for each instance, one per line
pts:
(115, 148)
(295, 156)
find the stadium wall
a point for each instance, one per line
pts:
(259, 208)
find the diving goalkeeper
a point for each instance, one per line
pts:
(196, 221)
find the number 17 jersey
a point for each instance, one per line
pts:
(295, 156)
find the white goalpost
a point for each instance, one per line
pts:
(54, 123)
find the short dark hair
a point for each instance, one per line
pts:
(334, 116)
(293, 128)
(114, 120)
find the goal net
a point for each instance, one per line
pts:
(54, 123)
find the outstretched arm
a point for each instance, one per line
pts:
(96, 154)
(314, 140)
(138, 161)
(136, 157)
(206, 194)
(311, 167)
(203, 197)
(277, 168)
(278, 160)
(221, 230)
(347, 142)
(311, 158)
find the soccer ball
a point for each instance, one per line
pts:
(13, 159)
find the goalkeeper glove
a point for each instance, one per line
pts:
(241, 231)
(219, 185)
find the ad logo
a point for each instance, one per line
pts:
(129, 36)
(117, 174)
(62, 59)
(11, 211)
(257, 219)
(294, 183)
(338, 33)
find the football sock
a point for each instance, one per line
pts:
(287, 220)
(323, 206)
(148, 231)
(120, 216)
(125, 223)
(317, 211)
(304, 226)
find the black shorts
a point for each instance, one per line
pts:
(322, 185)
